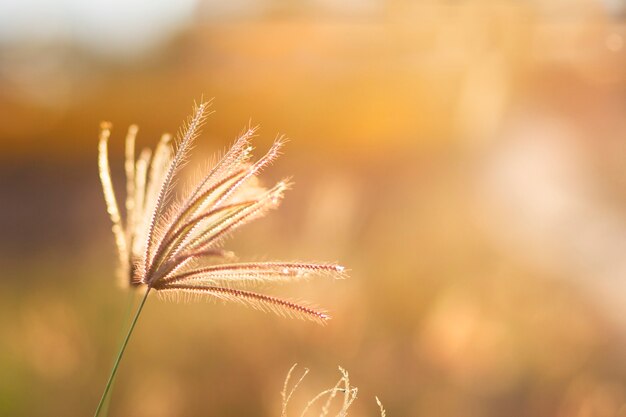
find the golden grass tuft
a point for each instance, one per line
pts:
(173, 245)
(321, 404)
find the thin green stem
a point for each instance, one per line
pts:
(121, 353)
(128, 315)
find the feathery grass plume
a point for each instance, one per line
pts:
(343, 388)
(173, 245)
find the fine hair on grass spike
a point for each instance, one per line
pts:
(173, 245)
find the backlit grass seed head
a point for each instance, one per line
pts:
(174, 245)
(335, 401)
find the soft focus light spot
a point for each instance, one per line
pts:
(588, 397)
(163, 396)
(539, 200)
(50, 340)
(614, 42)
(465, 342)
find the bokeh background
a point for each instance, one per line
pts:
(466, 160)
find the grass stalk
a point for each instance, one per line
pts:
(128, 315)
(121, 353)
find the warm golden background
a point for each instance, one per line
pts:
(465, 159)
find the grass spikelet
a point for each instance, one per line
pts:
(185, 139)
(287, 397)
(383, 413)
(258, 301)
(325, 401)
(111, 201)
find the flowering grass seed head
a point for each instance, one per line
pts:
(172, 245)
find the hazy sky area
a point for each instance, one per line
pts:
(120, 28)
(108, 26)
(123, 28)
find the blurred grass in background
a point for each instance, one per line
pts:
(465, 159)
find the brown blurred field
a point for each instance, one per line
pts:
(466, 160)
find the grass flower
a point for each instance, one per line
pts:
(339, 398)
(173, 245)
